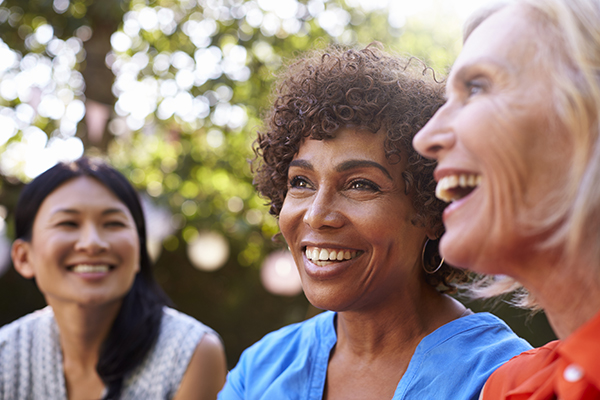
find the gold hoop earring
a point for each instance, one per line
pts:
(423, 260)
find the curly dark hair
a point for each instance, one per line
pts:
(368, 89)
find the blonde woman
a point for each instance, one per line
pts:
(518, 152)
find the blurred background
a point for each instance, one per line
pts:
(171, 93)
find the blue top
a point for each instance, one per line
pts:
(453, 362)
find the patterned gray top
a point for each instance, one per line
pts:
(31, 358)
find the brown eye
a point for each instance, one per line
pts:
(299, 182)
(363, 184)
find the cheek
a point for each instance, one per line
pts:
(288, 219)
(128, 247)
(505, 183)
(390, 225)
(48, 262)
(510, 160)
(500, 141)
(136, 259)
(54, 250)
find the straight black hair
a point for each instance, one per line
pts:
(137, 324)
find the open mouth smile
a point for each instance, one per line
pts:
(455, 187)
(323, 257)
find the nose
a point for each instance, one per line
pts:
(436, 136)
(323, 212)
(91, 241)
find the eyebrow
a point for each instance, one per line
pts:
(485, 63)
(302, 164)
(351, 164)
(108, 211)
(345, 166)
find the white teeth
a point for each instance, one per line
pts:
(84, 268)
(324, 256)
(447, 183)
(472, 180)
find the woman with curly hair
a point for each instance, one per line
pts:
(357, 208)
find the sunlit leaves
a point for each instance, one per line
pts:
(191, 80)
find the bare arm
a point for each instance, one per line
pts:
(205, 375)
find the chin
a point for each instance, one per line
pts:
(319, 301)
(346, 300)
(482, 258)
(326, 302)
(458, 255)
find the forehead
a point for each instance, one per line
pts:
(507, 39)
(351, 148)
(346, 141)
(80, 192)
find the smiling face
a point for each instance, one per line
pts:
(84, 246)
(501, 161)
(347, 221)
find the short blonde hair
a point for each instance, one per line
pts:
(571, 53)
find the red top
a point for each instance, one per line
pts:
(565, 370)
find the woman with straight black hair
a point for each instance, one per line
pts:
(107, 331)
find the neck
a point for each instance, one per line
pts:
(568, 293)
(398, 327)
(82, 331)
(375, 344)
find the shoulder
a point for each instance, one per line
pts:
(461, 355)
(26, 325)
(209, 347)
(484, 330)
(534, 358)
(283, 361)
(521, 368)
(184, 333)
(294, 338)
(29, 351)
(482, 339)
(206, 371)
(176, 320)
(529, 361)
(180, 334)
(179, 338)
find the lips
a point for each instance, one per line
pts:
(322, 263)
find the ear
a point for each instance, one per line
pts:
(21, 256)
(431, 234)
